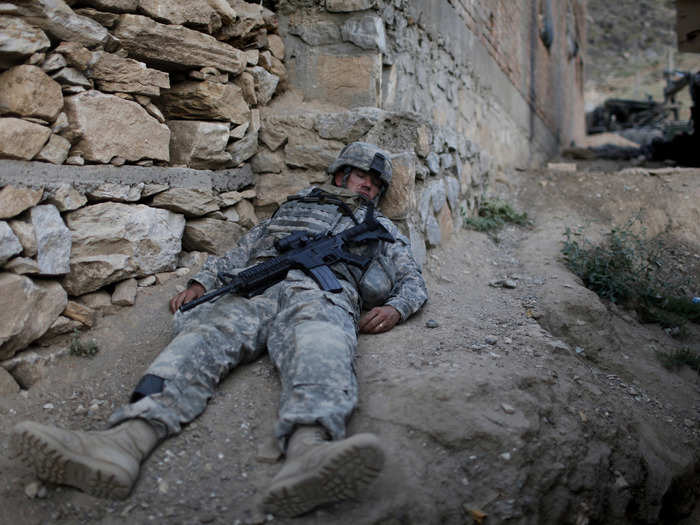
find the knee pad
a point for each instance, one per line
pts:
(149, 384)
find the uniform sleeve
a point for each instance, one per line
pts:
(409, 292)
(237, 257)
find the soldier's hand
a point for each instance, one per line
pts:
(379, 319)
(194, 291)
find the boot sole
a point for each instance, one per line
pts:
(53, 462)
(341, 476)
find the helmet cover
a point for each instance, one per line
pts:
(367, 157)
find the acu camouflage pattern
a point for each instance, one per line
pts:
(360, 155)
(310, 334)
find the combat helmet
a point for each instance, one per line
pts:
(367, 157)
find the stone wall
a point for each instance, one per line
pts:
(146, 134)
(506, 75)
(135, 81)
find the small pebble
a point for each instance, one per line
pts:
(491, 339)
(431, 323)
(509, 283)
(507, 408)
(48, 406)
(505, 456)
(32, 489)
(147, 281)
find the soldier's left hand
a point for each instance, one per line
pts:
(379, 319)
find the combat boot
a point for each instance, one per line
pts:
(104, 464)
(318, 471)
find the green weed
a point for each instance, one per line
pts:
(676, 359)
(493, 215)
(628, 268)
(81, 349)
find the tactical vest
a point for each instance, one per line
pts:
(328, 209)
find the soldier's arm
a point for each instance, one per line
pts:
(409, 292)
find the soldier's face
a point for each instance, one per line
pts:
(362, 182)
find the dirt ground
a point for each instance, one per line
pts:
(537, 404)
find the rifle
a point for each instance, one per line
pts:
(308, 252)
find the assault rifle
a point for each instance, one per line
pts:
(304, 251)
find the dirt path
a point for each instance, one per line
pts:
(487, 412)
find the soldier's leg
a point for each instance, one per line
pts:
(178, 384)
(210, 341)
(313, 342)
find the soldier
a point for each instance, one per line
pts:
(310, 334)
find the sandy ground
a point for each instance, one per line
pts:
(536, 404)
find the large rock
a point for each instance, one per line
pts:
(316, 155)
(398, 201)
(109, 20)
(211, 235)
(53, 240)
(347, 80)
(348, 126)
(453, 189)
(113, 127)
(273, 189)
(346, 6)
(120, 6)
(242, 150)
(114, 241)
(65, 197)
(420, 254)
(29, 92)
(55, 151)
(9, 243)
(19, 40)
(57, 19)
(433, 233)
(8, 385)
(110, 191)
(176, 47)
(20, 139)
(198, 144)
(250, 17)
(265, 84)
(193, 13)
(14, 200)
(205, 101)
(125, 293)
(113, 73)
(24, 231)
(35, 306)
(192, 202)
(278, 127)
(446, 223)
(366, 32)
(315, 32)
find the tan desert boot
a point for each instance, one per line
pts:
(318, 471)
(104, 464)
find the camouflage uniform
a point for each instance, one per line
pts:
(310, 334)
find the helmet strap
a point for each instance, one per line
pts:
(346, 175)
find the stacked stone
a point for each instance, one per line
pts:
(69, 250)
(439, 175)
(136, 81)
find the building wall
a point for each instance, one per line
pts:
(478, 67)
